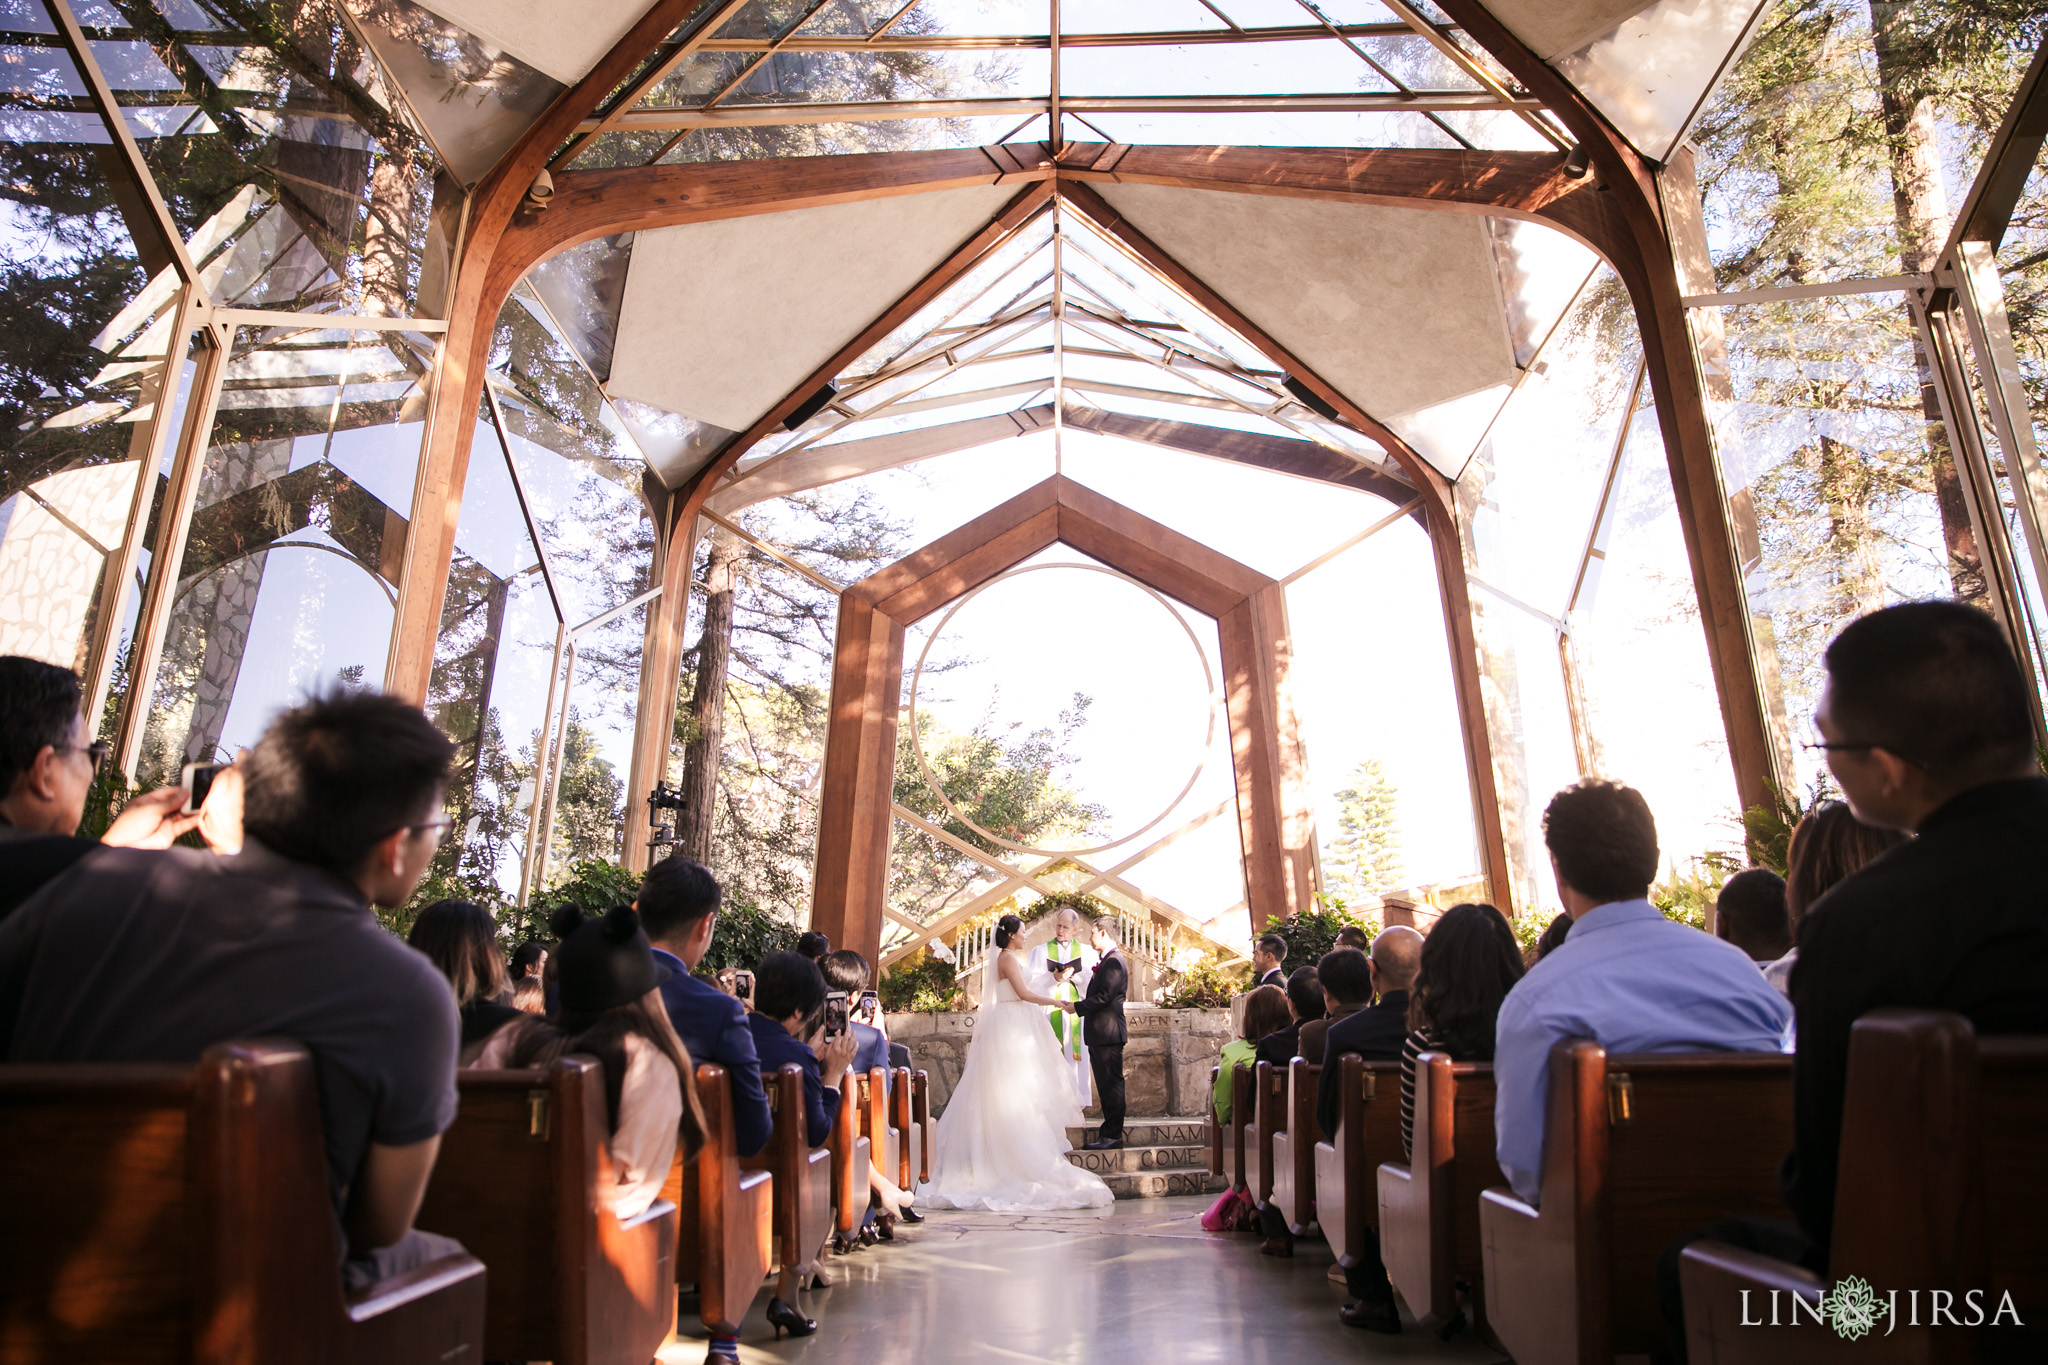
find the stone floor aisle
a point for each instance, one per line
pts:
(1139, 1284)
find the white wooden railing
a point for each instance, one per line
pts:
(1143, 940)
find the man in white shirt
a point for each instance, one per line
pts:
(1625, 976)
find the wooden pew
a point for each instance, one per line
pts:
(1638, 1151)
(1368, 1133)
(158, 1214)
(903, 1104)
(921, 1090)
(1241, 1081)
(1939, 1189)
(1294, 1149)
(850, 1161)
(1429, 1206)
(885, 1141)
(520, 1181)
(802, 1184)
(726, 1214)
(1267, 1115)
(1218, 1164)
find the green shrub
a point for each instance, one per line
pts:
(1686, 896)
(745, 934)
(922, 984)
(1208, 985)
(1312, 935)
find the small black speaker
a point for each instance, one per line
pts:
(809, 408)
(1311, 400)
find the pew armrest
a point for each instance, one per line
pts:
(1715, 1277)
(653, 1213)
(1531, 1277)
(435, 1277)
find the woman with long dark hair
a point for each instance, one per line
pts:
(610, 1008)
(461, 939)
(1470, 962)
(1828, 844)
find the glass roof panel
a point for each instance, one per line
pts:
(1323, 65)
(1136, 16)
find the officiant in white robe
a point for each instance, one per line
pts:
(1067, 945)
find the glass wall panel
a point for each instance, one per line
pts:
(1851, 487)
(298, 531)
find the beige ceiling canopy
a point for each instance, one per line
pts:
(561, 40)
(722, 320)
(1400, 309)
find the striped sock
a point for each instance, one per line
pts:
(722, 1349)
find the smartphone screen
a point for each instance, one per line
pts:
(197, 780)
(870, 1006)
(835, 1013)
(743, 985)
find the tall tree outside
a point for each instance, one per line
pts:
(1363, 861)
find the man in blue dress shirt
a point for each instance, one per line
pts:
(1626, 977)
(678, 907)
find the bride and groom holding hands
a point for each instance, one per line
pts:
(1001, 1143)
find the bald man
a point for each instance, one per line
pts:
(1377, 1031)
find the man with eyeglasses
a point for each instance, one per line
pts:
(154, 956)
(47, 764)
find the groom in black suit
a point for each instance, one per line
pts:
(1102, 1009)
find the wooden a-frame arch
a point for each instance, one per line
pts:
(1275, 814)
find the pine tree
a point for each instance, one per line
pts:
(1364, 859)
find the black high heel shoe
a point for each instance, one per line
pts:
(908, 1214)
(784, 1318)
(885, 1226)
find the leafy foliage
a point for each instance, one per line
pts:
(1312, 935)
(745, 934)
(1687, 896)
(922, 983)
(1087, 906)
(1207, 985)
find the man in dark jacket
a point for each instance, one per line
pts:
(1377, 1031)
(1104, 1033)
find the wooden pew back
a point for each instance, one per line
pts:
(1368, 1133)
(727, 1239)
(1938, 1190)
(801, 1189)
(1639, 1151)
(193, 1224)
(850, 1162)
(1268, 1115)
(521, 1182)
(921, 1090)
(903, 1107)
(1294, 1149)
(1218, 1164)
(885, 1140)
(1429, 1206)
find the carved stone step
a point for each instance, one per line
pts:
(1160, 1184)
(1153, 1132)
(1131, 1159)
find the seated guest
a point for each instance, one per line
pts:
(1265, 1010)
(813, 945)
(1304, 1002)
(529, 959)
(1549, 941)
(789, 997)
(610, 1008)
(1470, 962)
(1750, 913)
(529, 997)
(460, 938)
(678, 907)
(47, 764)
(847, 971)
(1267, 955)
(1352, 936)
(1625, 976)
(1345, 974)
(1375, 1032)
(138, 956)
(1828, 844)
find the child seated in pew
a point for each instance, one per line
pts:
(1265, 1010)
(609, 989)
(789, 1004)
(461, 939)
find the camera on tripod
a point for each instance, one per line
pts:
(663, 798)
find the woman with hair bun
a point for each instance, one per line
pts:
(1002, 1142)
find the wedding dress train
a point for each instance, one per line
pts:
(1002, 1141)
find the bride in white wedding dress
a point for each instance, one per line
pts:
(1002, 1142)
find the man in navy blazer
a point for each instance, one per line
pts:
(1377, 1031)
(678, 907)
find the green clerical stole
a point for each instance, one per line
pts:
(1066, 1027)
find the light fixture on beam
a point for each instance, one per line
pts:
(1311, 400)
(810, 407)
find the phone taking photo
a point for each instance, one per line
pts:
(835, 1013)
(870, 1006)
(743, 985)
(197, 780)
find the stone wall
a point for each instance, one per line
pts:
(1166, 1062)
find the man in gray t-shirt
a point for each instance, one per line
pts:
(137, 956)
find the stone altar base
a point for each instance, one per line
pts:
(1159, 1158)
(1166, 1062)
